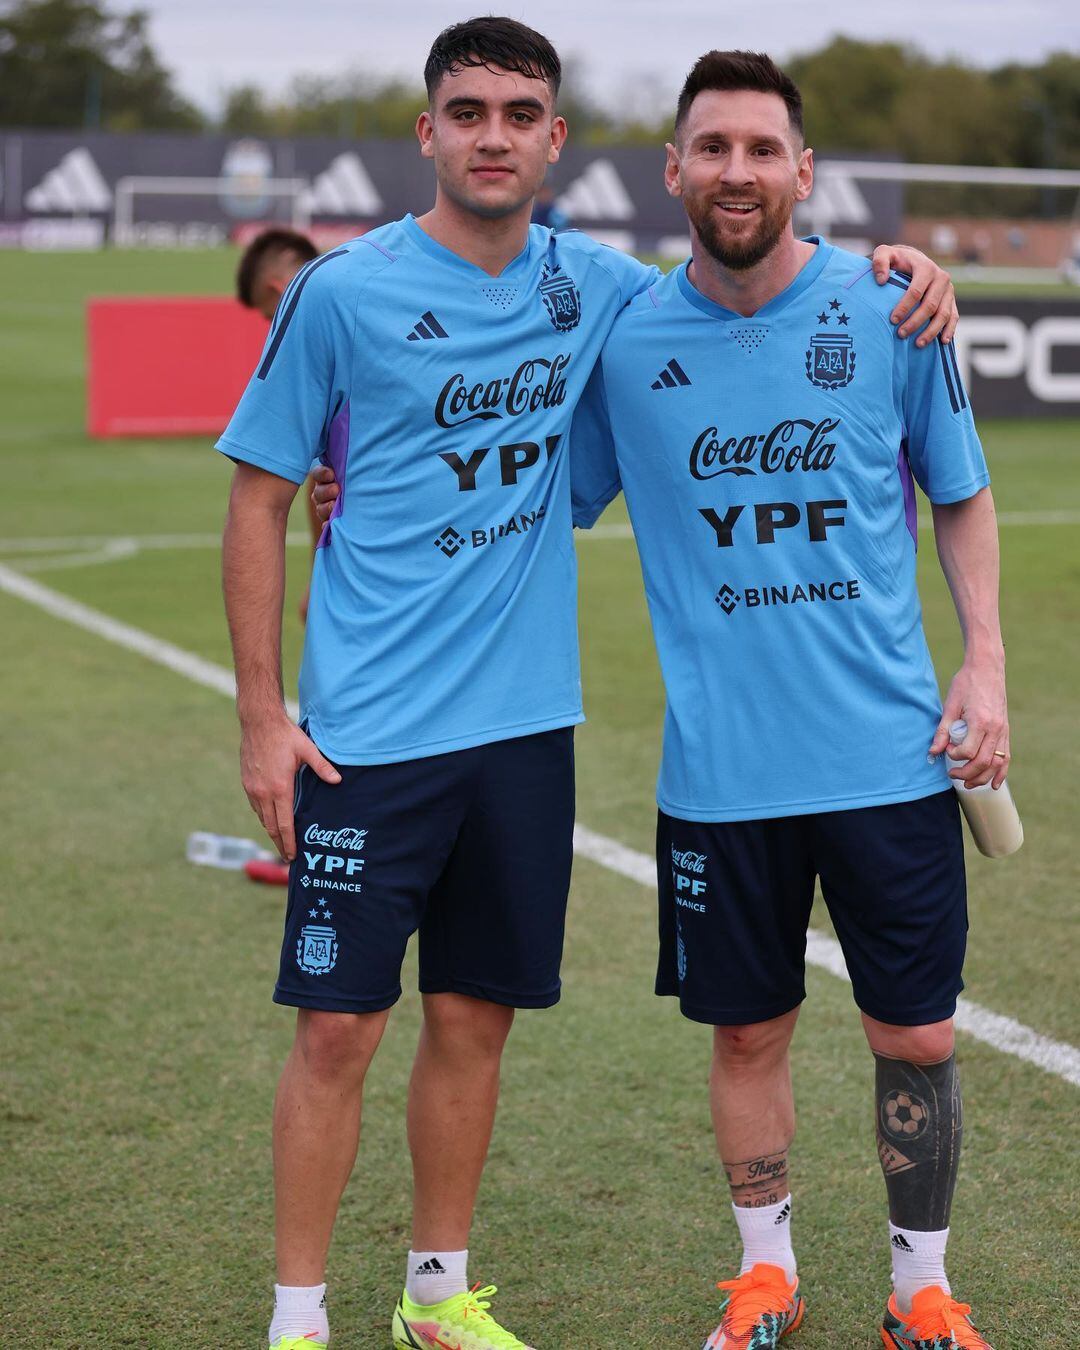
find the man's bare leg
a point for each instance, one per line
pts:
(316, 1133)
(752, 1108)
(754, 1119)
(452, 1099)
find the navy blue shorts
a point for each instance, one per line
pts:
(472, 848)
(735, 902)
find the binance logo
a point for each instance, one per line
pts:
(727, 599)
(450, 542)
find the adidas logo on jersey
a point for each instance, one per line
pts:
(671, 377)
(428, 327)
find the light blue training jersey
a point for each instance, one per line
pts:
(767, 464)
(443, 610)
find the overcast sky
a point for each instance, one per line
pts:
(214, 44)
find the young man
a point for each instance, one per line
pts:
(766, 426)
(435, 363)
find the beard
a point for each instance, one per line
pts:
(747, 248)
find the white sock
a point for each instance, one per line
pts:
(432, 1276)
(299, 1310)
(766, 1236)
(918, 1260)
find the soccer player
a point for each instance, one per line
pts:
(266, 267)
(767, 430)
(435, 363)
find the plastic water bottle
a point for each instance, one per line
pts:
(225, 850)
(991, 815)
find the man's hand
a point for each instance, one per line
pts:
(930, 299)
(324, 493)
(271, 752)
(977, 694)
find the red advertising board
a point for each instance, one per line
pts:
(168, 365)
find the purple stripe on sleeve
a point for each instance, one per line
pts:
(379, 249)
(337, 457)
(907, 483)
(858, 276)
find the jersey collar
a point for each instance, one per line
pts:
(804, 279)
(434, 249)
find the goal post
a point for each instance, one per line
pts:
(124, 234)
(953, 214)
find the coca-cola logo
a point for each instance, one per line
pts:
(535, 384)
(795, 444)
(686, 861)
(347, 837)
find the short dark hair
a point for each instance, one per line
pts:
(492, 41)
(731, 71)
(264, 249)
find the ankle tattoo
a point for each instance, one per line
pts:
(758, 1181)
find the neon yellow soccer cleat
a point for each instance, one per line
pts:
(459, 1323)
(760, 1308)
(936, 1322)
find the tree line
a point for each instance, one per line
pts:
(70, 63)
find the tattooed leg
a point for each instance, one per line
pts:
(752, 1108)
(758, 1181)
(754, 1119)
(919, 1128)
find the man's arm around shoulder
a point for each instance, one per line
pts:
(272, 747)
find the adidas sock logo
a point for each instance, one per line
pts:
(901, 1243)
(671, 376)
(432, 1267)
(783, 1216)
(428, 327)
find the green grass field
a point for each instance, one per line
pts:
(139, 1047)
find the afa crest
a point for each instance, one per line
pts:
(830, 360)
(561, 298)
(317, 950)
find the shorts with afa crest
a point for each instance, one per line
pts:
(472, 849)
(735, 900)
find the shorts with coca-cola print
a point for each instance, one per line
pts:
(472, 849)
(735, 900)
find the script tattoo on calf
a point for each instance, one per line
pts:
(758, 1181)
(919, 1129)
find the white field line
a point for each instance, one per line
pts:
(1002, 1033)
(127, 545)
(112, 551)
(206, 673)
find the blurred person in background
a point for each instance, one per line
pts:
(435, 363)
(268, 264)
(265, 269)
(547, 211)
